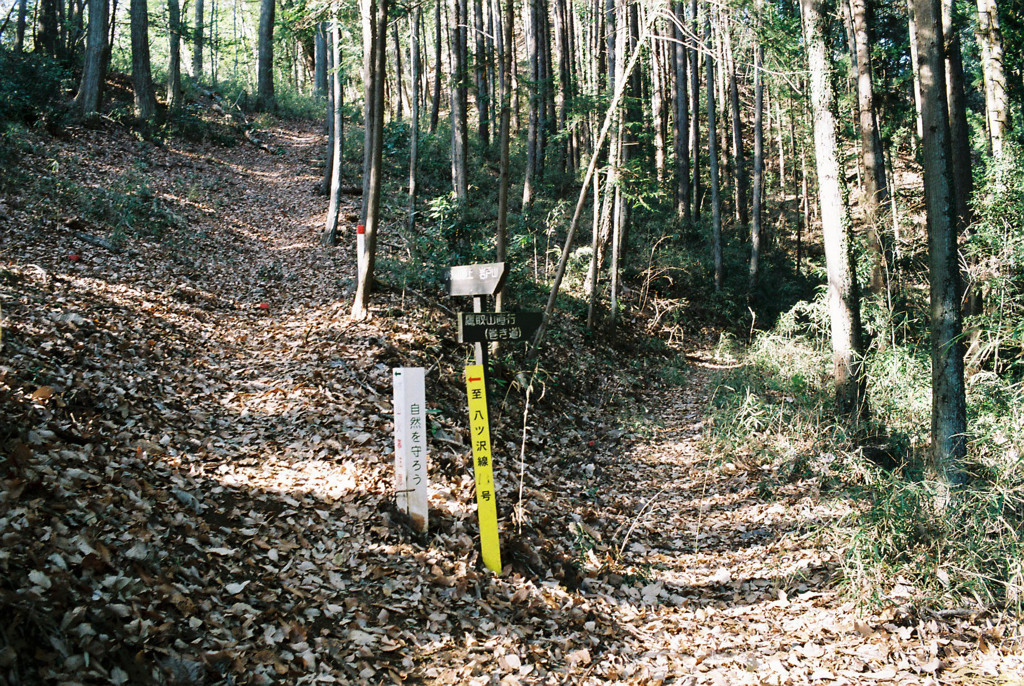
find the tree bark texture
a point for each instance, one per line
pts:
(330, 235)
(684, 209)
(142, 79)
(990, 40)
(414, 112)
(19, 34)
(757, 201)
(460, 102)
(174, 55)
(949, 413)
(378, 61)
(265, 57)
(872, 157)
(956, 106)
(716, 200)
(87, 100)
(505, 76)
(320, 82)
(197, 46)
(843, 298)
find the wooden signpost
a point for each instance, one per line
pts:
(492, 327)
(480, 438)
(479, 328)
(411, 444)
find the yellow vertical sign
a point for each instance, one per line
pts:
(480, 438)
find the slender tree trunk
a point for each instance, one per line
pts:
(997, 109)
(87, 100)
(658, 100)
(460, 99)
(844, 303)
(480, 74)
(912, 30)
(320, 59)
(364, 279)
(332, 131)
(505, 55)
(47, 36)
(739, 155)
(872, 159)
(330, 235)
(368, 18)
(109, 47)
(684, 209)
(533, 134)
(696, 194)
(716, 200)
(435, 103)
(19, 36)
(949, 413)
(142, 79)
(174, 61)
(757, 208)
(956, 104)
(399, 88)
(265, 58)
(414, 114)
(197, 45)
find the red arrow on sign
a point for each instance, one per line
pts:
(474, 379)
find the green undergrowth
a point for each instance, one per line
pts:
(773, 414)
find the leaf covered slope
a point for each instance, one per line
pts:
(195, 447)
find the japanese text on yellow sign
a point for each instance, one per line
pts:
(480, 437)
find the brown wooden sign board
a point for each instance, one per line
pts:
(477, 279)
(494, 327)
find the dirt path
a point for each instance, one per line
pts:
(198, 489)
(742, 587)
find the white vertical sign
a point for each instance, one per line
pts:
(411, 444)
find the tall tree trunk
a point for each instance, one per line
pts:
(562, 43)
(912, 30)
(658, 100)
(695, 195)
(265, 58)
(87, 100)
(505, 55)
(739, 155)
(47, 37)
(460, 101)
(716, 200)
(844, 304)
(757, 204)
(684, 209)
(399, 88)
(19, 35)
(990, 39)
(435, 103)
(956, 105)
(330, 235)
(872, 158)
(332, 131)
(533, 135)
(364, 279)
(414, 114)
(320, 59)
(949, 413)
(368, 18)
(197, 45)
(142, 79)
(480, 75)
(174, 61)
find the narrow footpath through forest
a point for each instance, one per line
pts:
(199, 487)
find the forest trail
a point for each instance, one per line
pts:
(207, 482)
